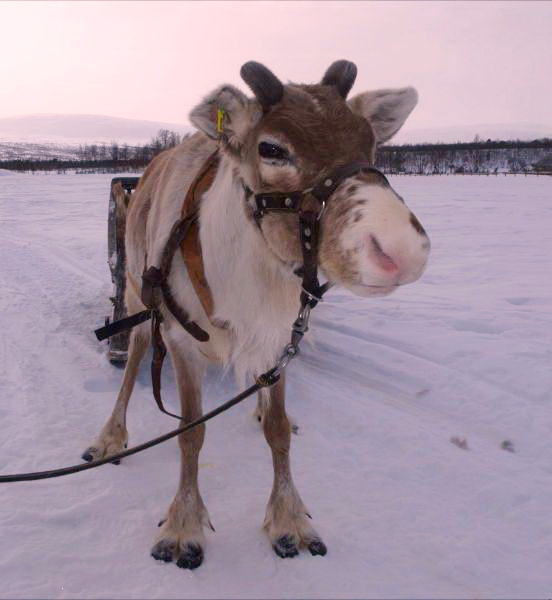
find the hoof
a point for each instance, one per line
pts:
(191, 557)
(93, 453)
(317, 547)
(285, 547)
(164, 550)
(88, 454)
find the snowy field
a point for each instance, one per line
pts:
(465, 352)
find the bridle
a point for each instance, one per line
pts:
(309, 220)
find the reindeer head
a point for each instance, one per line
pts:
(289, 137)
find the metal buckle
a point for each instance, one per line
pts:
(322, 210)
(291, 351)
(302, 322)
(312, 296)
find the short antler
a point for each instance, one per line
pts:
(268, 89)
(342, 75)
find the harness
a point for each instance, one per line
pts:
(309, 204)
(155, 290)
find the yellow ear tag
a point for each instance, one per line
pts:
(220, 118)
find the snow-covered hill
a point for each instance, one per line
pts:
(463, 353)
(37, 151)
(80, 129)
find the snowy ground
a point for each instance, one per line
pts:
(464, 352)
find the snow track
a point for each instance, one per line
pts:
(385, 385)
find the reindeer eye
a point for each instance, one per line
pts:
(268, 150)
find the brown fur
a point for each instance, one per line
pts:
(323, 139)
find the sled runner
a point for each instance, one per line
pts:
(121, 191)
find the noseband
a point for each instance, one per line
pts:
(309, 221)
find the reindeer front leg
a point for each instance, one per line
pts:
(181, 537)
(286, 520)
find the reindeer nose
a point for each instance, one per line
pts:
(383, 260)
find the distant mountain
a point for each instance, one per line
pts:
(467, 133)
(71, 130)
(80, 129)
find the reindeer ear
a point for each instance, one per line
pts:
(385, 110)
(226, 113)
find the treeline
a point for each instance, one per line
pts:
(475, 157)
(116, 152)
(100, 158)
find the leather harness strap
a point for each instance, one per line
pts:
(185, 235)
(309, 220)
(155, 286)
(190, 246)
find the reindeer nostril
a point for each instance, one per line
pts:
(383, 259)
(417, 225)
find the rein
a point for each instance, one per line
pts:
(267, 379)
(156, 290)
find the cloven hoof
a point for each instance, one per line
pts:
(164, 551)
(285, 547)
(191, 557)
(317, 547)
(87, 455)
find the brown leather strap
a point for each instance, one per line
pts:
(190, 246)
(184, 234)
(159, 353)
(193, 258)
(155, 286)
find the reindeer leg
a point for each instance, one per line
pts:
(259, 412)
(181, 537)
(286, 520)
(113, 437)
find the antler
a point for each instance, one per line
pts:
(267, 88)
(342, 75)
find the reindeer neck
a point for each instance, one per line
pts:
(248, 281)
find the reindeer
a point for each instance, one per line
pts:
(285, 138)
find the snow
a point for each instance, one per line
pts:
(463, 353)
(81, 129)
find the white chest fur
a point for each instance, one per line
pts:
(252, 290)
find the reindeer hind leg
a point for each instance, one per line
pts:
(113, 436)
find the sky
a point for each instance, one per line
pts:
(471, 62)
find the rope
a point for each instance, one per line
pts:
(265, 380)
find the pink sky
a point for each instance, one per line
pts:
(472, 62)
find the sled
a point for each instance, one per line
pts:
(122, 189)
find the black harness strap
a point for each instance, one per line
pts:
(309, 232)
(122, 325)
(156, 289)
(309, 221)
